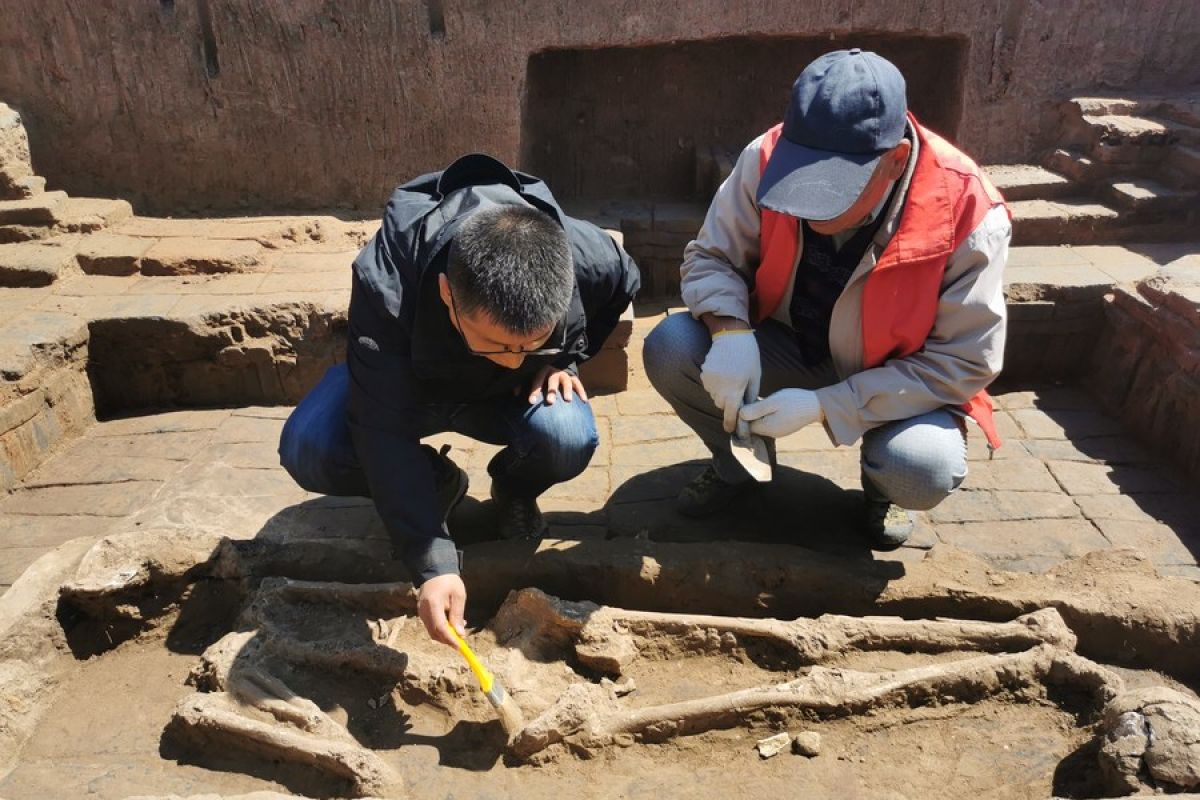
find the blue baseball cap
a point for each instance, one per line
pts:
(847, 109)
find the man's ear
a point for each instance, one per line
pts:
(444, 289)
(898, 159)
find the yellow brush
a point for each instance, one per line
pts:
(510, 714)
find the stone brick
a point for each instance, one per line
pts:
(999, 506)
(1027, 181)
(1101, 449)
(648, 428)
(33, 263)
(115, 500)
(1014, 540)
(164, 422)
(1068, 282)
(1064, 423)
(589, 490)
(88, 214)
(1156, 541)
(1180, 512)
(659, 453)
(187, 256)
(328, 281)
(42, 209)
(1043, 256)
(1012, 475)
(248, 429)
(112, 254)
(811, 437)
(642, 401)
(1083, 479)
(291, 262)
(69, 469)
(218, 479)
(48, 531)
(175, 446)
(16, 413)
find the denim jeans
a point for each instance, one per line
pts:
(546, 444)
(915, 463)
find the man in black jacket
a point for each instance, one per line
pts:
(470, 311)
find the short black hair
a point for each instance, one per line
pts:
(512, 263)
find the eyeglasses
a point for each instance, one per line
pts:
(541, 351)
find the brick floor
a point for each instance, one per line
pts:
(1067, 481)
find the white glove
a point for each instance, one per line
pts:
(782, 413)
(731, 372)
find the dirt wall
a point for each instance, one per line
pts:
(201, 104)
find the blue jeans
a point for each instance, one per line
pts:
(546, 444)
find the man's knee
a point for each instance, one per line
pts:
(565, 433)
(314, 446)
(918, 463)
(674, 350)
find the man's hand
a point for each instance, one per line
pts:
(731, 372)
(782, 413)
(554, 382)
(442, 597)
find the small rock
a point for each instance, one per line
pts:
(621, 689)
(371, 703)
(773, 745)
(807, 743)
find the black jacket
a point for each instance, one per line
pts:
(403, 351)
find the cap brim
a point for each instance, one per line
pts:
(812, 184)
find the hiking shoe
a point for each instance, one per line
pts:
(707, 494)
(517, 517)
(449, 480)
(886, 526)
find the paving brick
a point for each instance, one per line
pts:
(1100, 449)
(174, 446)
(1017, 539)
(48, 531)
(234, 516)
(219, 479)
(842, 467)
(1179, 511)
(93, 286)
(999, 506)
(1158, 542)
(1064, 423)
(68, 468)
(42, 327)
(165, 422)
(657, 454)
(113, 500)
(248, 429)
(642, 401)
(112, 254)
(1012, 475)
(590, 488)
(639, 484)
(312, 262)
(1068, 282)
(811, 437)
(264, 412)
(1079, 478)
(187, 256)
(648, 428)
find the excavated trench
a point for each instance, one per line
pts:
(287, 659)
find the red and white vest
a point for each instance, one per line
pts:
(947, 199)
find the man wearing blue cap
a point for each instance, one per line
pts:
(849, 272)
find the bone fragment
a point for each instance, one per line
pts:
(209, 717)
(589, 716)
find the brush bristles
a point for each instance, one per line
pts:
(506, 708)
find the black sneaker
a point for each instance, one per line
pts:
(517, 517)
(707, 494)
(886, 526)
(450, 481)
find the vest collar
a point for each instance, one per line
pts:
(925, 229)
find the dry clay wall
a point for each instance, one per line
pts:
(178, 104)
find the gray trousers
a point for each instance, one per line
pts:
(915, 463)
